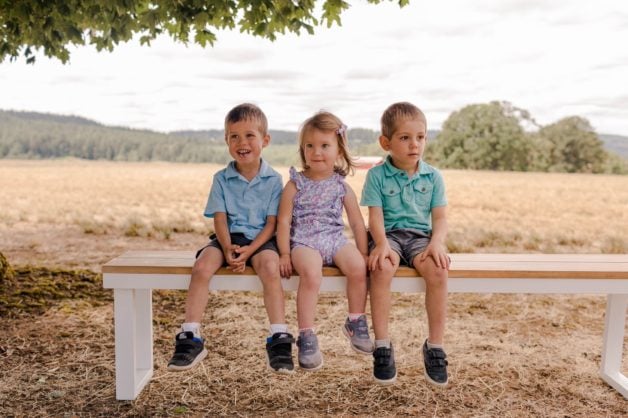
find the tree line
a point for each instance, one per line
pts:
(492, 137)
(482, 136)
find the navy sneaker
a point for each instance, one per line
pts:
(279, 352)
(188, 352)
(436, 363)
(384, 370)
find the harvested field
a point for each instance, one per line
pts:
(510, 355)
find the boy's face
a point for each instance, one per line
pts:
(407, 143)
(245, 142)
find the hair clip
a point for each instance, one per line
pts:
(343, 128)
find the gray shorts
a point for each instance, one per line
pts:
(241, 240)
(408, 243)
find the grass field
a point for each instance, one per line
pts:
(511, 355)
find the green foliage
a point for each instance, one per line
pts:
(483, 136)
(573, 146)
(491, 137)
(27, 26)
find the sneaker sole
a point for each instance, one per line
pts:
(312, 369)
(356, 349)
(434, 382)
(386, 382)
(198, 359)
(278, 371)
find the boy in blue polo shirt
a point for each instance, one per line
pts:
(407, 225)
(243, 201)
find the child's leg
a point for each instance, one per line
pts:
(308, 263)
(266, 265)
(380, 296)
(435, 297)
(349, 260)
(206, 265)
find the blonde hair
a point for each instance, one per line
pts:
(328, 122)
(247, 111)
(397, 111)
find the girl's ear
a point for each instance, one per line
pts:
(384, 142)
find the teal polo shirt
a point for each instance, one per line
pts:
(246, 203)
(406, 202)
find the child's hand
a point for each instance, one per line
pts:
(241, 254)
(285, 266)
(378, 257)
(230, 254)
(438, 253)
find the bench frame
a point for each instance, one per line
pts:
(135, 274)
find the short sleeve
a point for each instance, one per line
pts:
(277, 187)
(371, 193)
(216, 199)
(439, 198)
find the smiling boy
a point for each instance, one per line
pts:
(407, 225)
(243, 200)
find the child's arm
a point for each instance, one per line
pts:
(356, 221)
(224, 237)
(284, 221)
(382, 250)
(437, 247)
(246, 251)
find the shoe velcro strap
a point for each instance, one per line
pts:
(184, 346)
(437, 362)
(282, 340)
(437, 354)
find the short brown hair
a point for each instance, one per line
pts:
(328, 122)
(247, 111)
(397, 111)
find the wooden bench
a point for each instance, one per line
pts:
(134, 274)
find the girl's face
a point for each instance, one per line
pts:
(321, 152)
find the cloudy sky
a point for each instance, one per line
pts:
(553, 58)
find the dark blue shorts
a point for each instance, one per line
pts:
(241, 240)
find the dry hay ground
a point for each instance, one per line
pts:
(511, 355)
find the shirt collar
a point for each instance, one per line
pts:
(265, 170)
(390, 170)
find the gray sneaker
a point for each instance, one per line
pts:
(358, 334)
(310, 357)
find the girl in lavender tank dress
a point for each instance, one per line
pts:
(310, 233)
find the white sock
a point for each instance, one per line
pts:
(275, 328)
(382, 343)
(355, 316)
(430, 345)
(193, 327)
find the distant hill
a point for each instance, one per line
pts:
(615, 143)
(42, 135)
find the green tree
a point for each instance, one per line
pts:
(27, 26)
(574, 146)
(485, 137)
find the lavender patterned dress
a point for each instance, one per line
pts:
(317, 215)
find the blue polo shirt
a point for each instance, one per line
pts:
(406, 202)
(246, 203)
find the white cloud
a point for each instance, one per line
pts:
(554, 59)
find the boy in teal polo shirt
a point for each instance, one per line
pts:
(407, 225)
(244, 200)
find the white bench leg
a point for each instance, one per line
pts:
(612, 351)
(133, 319)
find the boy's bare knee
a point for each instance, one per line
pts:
(382, 276)
(436, 277)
